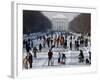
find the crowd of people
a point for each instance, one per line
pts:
(55, 40)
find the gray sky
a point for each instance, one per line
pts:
(69, 16)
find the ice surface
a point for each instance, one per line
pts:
(42, 57)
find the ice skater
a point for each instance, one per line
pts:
(28, 48)
(70, 45)
(65, 44)
(35, 50)
(40, 47)
(50, 55)
(86, 42)
(76, 45)
(59, 57)
(30, 60)
(48, 41)
(63, 58)
(81, 56)
(89, 57)
(25, 62)
(51, 40)
(58, 40)
(61, 40)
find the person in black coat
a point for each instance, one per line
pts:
(48, 41)
(63, 58)
(40, 47)
(81, 56)
(87, 61)
(86, 42)
(89, 57)
(28, 48)
(35, 50)
(65, 44)
(51, 40)
(70, 45)
(59, 57)
(30, 60)
(77, 44)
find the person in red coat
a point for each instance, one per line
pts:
(50, 55)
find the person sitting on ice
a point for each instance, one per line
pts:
(50, 55)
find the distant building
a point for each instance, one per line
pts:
(60, 23)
